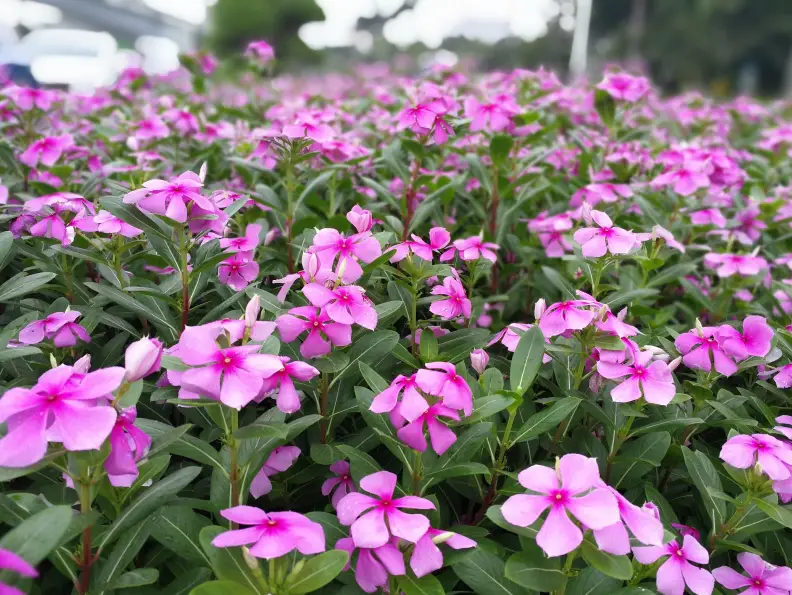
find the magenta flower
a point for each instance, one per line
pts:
(783, 379)
(762, 579)
(370, 530)
(785, 424)
(247, 243)
(278, 461)
(483, 116)
(319, 325)
(287, 400)
(510, 337)
(329, 244)
(105, 222)
(677, 571)
(128, 445)
(572, 489)
(685, 180)
(457, 303)
(64, 407)
(261, 51)
(26, 98)
(726, 265)
(233, 375)
(141, 358)
(593, 194)
(374, 565)
(171, 198)
(18, 565)
(150, 128)
(474, 247)
(652, 381)
(573, 315)
(412, 406)
(238, 272)
(624, 87)
(773, 455)
(415, 246)
(712, 216)
(427, 557)
(597, 241)
(642, 523)
(340, 485)
(697, 347)
(316, 132)
(59, 326)
(753, 341)
(443, 381)
(479, 360)
(442, 436)
(273, 534)
(360, 219)
(419, 118)
(346, 305)
(46, 150)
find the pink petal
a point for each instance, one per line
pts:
(698, 580)
(694, 551)
(238, 537)
(426, 557)
(16, 564)
(627, 391)
(273, 546)
(410, 527)
(370, 529)
(649, 555)
(539, 478)
(669, 578)
(412, 435)
(318, 294)
(731, 579)
(413, 502)
(245, 515)
(380, 484)
(523, 509)
(595, 247)
(441, 436)
(26, 444)
(83, 428)
(580, 473)
(261, 484)
(558, 535)
(597, 510)
(392, 559)
(353, 505)
(613, 539)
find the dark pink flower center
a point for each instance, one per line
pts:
(639, 372)
(559, 497)
(758, 583)
(606, 231)
(229, 360)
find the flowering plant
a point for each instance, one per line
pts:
(372, 333)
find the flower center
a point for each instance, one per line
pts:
(227, 360)
(272, 523)
(316, 323)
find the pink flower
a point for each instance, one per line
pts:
(773, 455)
(18, 565)
(273, 534)
(427, 557)
(443, 381)
(64, 407)
(624, 87)
(726, 265)
(46, 150)
(696, 348)
(419, 118)
(762, 579)
(233, 375)
(60, 327)
(457, 303)
(374, 565)
(677, 571)
(27, 98)
(412, 406)
(416, 246)
(712, 216)
(261, 51)
(486, 115)
(238, 271)
(594, 194)
(128, 445)
(318, 325)
(369, 530)
(150, 128)
(783, 379)
(329, 244)
(360, 219)
(278, 461)
(572, 489)
(754, 340)
(346, 305)
(646, 527)
(474, 247)
(564, 316)
(686, 530)
(141, 358)
(442, 436)
(287, 400)
(652, 381)
(786, 420)
(317, 132)
(105, 222)
(340, 485)
(479, 360)
(685, 180)
(171, 198)
(597, 241)
(246, 243)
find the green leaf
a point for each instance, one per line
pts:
(527, 360)
(221, 588)
(500, 147)
(123, 553)
(361, 464)
(314, 185)
(778, 513)
(162, 319)
(19, 286)
(175, 441)
(638, 457)
(132, 395)
(148, 501)
(484, 572)
(139, 577)
(618, 567)
(705, 478)
(262, 430)
(457, 345)
(228, 563)
(317, 572)
(546, 419)
(374, 380)
(370, 349)
(428, 346)
(178, 529)
(426, 585)
(184, 584)
(591, 581)
(135, 217)
(15, 352)
(168, 250)
(35, 537)
(332, 363)
(299, 425)
(534, 571)
(488, 406)
(666, 424)
(496, 516)
(6, 245)
(333, 529)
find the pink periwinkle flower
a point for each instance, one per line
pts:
(475, 247)
(329, 244)
(753, 341)
(625, 87)
(685, 180)
(785, 425)
(369, 529)
(783, 379)
(442, 380)
(319, 325)
(700, 349)
(261, 51)
(457, 303)
(762, 579)
(641, 521)
(64, 407)
(59, 326)
(150, 128)
(492, 116)
(316, 132)
(346, 304)
(172, 198)
(412, 404)
(711, 216)
(479, 360)
(282, 379)
(141, 358)
(360, 219)
(374, 565)
(18, 565)
(597, 241)
(247, 243)
(239, 271)
(441, 436)
(653, 381)
(593, 194)
(571, 489)
(26, 98)
(340, 485)
(438, 239)
(46, 150)
(128, 445)
(571, 315)
(773, 455)
(677, 571)
(273, 534)
(427, 557)
(278, 461)
(105, 222)
(726, 265)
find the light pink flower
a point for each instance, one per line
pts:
(652, 381)
(624, 87)
(442, 380)
(329, 244)
(59, 326)
(696, 348)
(46, 150)
(141, 358)
(572, 315)
(597, 241)
(319, 325)
(783, 379)
(412, 405)
(346, 304)
(642, 523)
(785, 425)
(171, 198)
(64, 407)
(278, 461)
(340, 485)
(238, 271)
(247, 243)
(677, 571)
(128, 446)
(457, 303)
(369, 530)
(316, 132)
(753, 341)
(572, 489)
(762, 579)
(18, 565)
(360, 219)
(479, 360)
(287, 400)
(442, 436)
(474, 247)
(427, 557)
(685, 180)
(105, 222)
(374, 565)
(773, 455)
(273, 534)
(492, 116)
(261, 51)
(726, 265)
(712, 216)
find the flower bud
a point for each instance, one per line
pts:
(652, 509)
(585, 213)
(479, 360)
(252, 311)
(674, 363)
(443, 537)
(360, 219)
(82, 365)
(271, 236)
(252, 562)
(699, 328)
(311, 264)
(142, 358)
(202, 171)
(539, 308)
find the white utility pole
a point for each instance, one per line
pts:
(579, 54)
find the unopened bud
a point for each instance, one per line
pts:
(674, 363)
(360, 219)
(622, 314)
(298, 567)
(82, 365)
(342, 266)
(311, 264)
(539, 308)
(53, 361)
(252, 562)
(699, 328)
(443, 537)
(585, 212)
(271, 236)
(202, 171)
(479, 360)
(252, 311)
(142, 358)
(652, 509)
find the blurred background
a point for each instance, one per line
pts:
(722, 47)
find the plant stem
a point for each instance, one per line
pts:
(233, 447)
(414, 319)
(290, 187)
(87, 557)
(728, 527)
(493, 488)
(323, 410)
(184, 250)
(417, 474)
